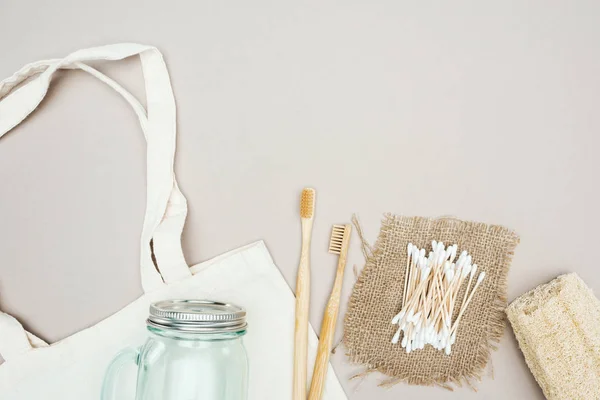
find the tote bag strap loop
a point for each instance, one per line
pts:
(166, 207)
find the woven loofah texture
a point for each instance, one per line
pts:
(557, 326)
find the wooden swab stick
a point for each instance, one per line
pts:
(414, 274)
(456, 289)
(437, 296)
(411, 277)
(411, 303)
(472, 274)
(407, 273)
(479, 280)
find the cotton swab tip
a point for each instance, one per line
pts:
(480, 277)
(453, 250)
(425, 273)
(396, 337)
(458, 270)
(467, 270)
(415, 253)
(448, 349)
(441, 257)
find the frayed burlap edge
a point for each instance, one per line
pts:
(495, 329)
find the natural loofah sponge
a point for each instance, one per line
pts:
(557, 326)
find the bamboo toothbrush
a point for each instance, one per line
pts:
(307, 214)
(338, 244)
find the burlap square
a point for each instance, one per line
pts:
(377, 297)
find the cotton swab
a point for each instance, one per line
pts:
(473, 271)
(479, 280)
(432, 282)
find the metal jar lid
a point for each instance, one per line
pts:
(197, 316)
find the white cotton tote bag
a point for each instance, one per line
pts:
(73, 368)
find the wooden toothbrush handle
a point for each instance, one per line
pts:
(327, 332)
(302, 306)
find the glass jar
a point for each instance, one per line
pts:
(194, 352)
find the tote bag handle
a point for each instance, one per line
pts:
(166, 207)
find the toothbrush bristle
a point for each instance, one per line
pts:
(338, 233)
(307, 203)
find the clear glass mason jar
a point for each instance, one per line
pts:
(194, 352)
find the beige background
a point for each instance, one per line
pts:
(483, 110)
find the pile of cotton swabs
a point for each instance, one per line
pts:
(431, 287)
